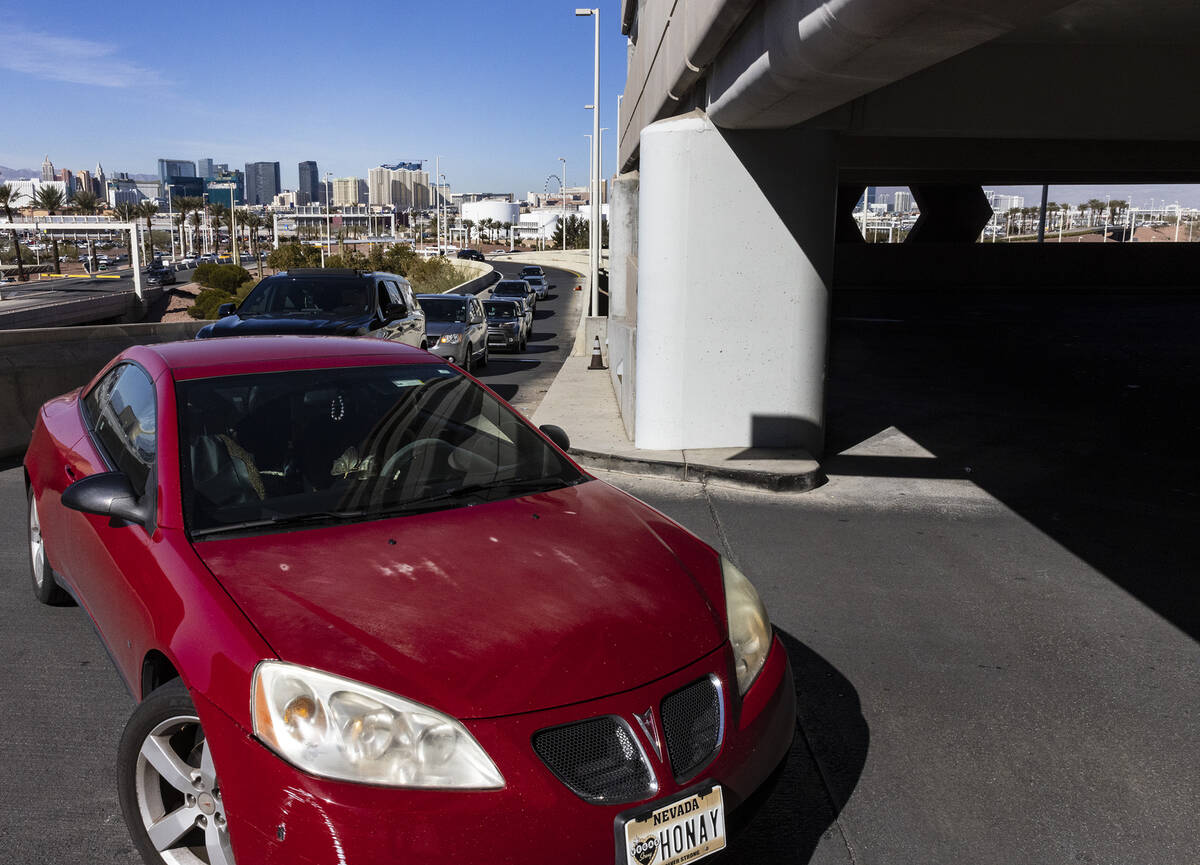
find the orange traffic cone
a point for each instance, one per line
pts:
(579, 288)
(597, 360)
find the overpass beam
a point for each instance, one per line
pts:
(735, 260)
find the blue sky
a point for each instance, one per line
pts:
(496, 89)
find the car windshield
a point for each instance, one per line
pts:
(531, 271)
(274, 451)
(285, 295)
(533, 280)
(443, 309)
(500, 309)
(517, 289)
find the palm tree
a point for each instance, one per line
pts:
(253, 223)
(87, 202)
(219, 214)
(468, 224)
(51, 199)
(148, 210)
(9, 196)
(196, 220)
(183, 205)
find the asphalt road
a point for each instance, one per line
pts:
(994, 643)
(523, 378)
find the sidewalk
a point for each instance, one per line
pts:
(582, 402)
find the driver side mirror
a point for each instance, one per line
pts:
(558, 435)
(108, 494)
(395, 310)
(226, 309)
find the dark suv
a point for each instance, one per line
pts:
(328, 302)
(473, 254)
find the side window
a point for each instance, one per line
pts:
(121, 410)
(385, 298)
(393, 293)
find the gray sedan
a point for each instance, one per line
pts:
(456, 328)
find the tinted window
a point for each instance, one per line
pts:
(121, 411)
(500, 309)
(283, 295)
(351, 444)
(394, 295)
(512, 289)
(444, 309)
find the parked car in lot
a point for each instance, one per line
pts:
(370, 614)
(472, 254)
(506, 323)
(326, 301)
(455, 328)
(509, 288)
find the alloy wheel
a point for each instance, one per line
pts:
(178, 795)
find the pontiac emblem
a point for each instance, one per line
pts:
(650, 730)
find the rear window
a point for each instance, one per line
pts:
(282, 295)
(500, 309)
(517, 288)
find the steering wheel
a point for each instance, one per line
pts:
(399, 462)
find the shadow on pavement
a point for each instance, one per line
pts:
(542, 336)
(1079, 411)
(823, 768)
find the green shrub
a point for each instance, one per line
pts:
(292, 255)
(210, 299)
(226, 277)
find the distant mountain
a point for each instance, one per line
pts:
(7, 173)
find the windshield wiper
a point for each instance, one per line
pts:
(316, 517)
(449, 496)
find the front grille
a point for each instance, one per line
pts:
(691, 720)
(599, 759)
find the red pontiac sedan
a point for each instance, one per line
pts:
(371, 615)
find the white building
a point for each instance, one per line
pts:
(497, 211)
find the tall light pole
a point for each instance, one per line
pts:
(328, 221)
(233, 250)
(437, 212)
(562, 194)
(444, 213)
(594, 168)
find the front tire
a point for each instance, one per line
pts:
(168, 786)
(45, 589)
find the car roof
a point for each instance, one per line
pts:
(447, 296)
(209, 358)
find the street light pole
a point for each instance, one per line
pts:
(437, 210)
(328, 222)
(594, 168)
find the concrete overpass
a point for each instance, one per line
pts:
(749, 129)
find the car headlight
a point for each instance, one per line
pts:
(339, 728)
(450, 338)
(749, 627)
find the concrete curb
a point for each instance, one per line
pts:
(699, 472)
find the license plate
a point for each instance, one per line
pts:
(684, 830)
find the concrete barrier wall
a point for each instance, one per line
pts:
(481, 276)
(41, 363)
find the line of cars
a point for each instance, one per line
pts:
(459, 327)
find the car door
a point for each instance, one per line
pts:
(415, 328)
(111, 560)
(476, 328)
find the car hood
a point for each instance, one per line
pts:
(437, 328)
(232, 325)
(496, 609)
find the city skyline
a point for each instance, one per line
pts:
(497, 91)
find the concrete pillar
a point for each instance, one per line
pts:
(622, 291)
(736, 242)
(622, 243)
